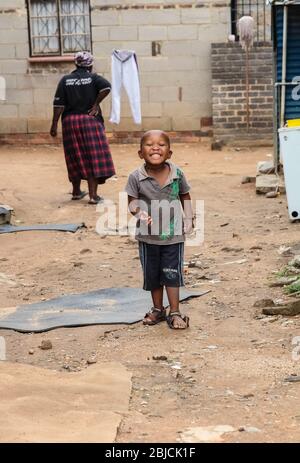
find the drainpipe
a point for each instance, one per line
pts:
(284, 53)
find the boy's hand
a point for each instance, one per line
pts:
(188, 225)
(144, 217)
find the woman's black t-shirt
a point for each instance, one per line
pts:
(78, 91)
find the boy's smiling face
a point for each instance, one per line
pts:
(155, 148)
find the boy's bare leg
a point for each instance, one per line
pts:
(157, 297)
(173, 296)
(157, 314)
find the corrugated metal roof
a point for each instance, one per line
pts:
(293, 55)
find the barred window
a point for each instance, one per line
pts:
(59, 27)
(260, 12)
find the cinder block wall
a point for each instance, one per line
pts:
(229, 92)
(175, 84)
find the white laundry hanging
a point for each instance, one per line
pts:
(124, 71)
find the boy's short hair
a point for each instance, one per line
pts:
(148, 133)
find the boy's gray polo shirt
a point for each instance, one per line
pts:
(162, 203)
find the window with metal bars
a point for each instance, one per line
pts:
(59, 27)
(260, 12)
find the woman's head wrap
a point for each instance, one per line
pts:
(84, 59)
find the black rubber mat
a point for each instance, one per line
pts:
(67, 227)
(101, 307)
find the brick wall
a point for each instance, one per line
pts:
(229, 92)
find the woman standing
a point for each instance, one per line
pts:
(86, 148)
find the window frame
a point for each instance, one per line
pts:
(60, 53)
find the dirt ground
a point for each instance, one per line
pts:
(231, 363)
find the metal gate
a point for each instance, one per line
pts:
(260, 12)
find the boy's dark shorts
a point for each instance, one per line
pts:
(162, 265)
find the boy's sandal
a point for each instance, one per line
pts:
(154, 316)
(171, 317)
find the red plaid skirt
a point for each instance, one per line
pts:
(86, 148)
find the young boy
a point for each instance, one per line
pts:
(157, 193)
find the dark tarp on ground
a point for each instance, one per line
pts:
(104, 306)
(68, 227)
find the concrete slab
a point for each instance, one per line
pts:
(266, 183)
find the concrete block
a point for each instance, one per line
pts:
(196, 15)
(31, 81)
(135, 17)
(183, 63)
(147, 17)
(100, 33)
(22, 50)
(105, 18)
(11, 4)
(266, 183)
(13, 21)
(38, 125)
(31, 110)
(41, 95)
(126, 124)
(140, 2)
(166, 17)
(185, 48)
(181, 32)
(102, 65)
(13, 67)
(213, 33)
(153, 63)
(15, 96)
(265, 167)
(153, 33)
(104, 49)
(222, 16)
(141, 48)
(145, 94)
(182, 108)
(13, 125)
(200, 93)
(157, 123)
(171, 78)
(164, 94)
(10, 82)
(185, 123)
(123, 33)
(8, 110)
(151, 109)
(13, 36)
(7, 51)
(20, 20)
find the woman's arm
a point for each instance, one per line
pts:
(101, 95)
(57, 111)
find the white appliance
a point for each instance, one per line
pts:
(290, 154)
